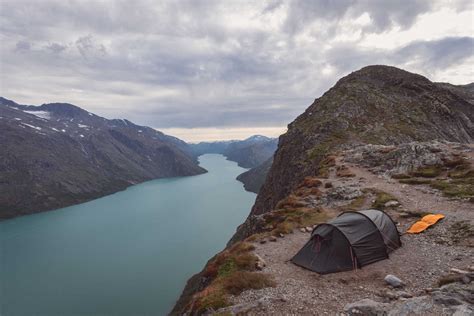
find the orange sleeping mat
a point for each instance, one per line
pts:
(425, 222)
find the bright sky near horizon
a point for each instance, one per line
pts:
(210, 70)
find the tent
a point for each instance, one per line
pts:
(350, 241)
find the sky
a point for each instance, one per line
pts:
(210, 70)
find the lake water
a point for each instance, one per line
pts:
(129, 253)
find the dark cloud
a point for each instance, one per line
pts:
(206, 63)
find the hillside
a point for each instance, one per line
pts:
(58, 154)
(379, 105)
(254, 178)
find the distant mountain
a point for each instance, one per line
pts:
(58, 154)
(248, 153)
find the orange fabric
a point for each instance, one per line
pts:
(432, 218)
(424, 223)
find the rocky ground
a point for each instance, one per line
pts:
(361, 178)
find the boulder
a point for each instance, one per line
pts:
(392, 203)
(393, 281)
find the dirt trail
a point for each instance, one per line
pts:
(420, 262)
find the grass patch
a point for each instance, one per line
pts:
(230, 272)
(244, 280)
(356, 204)
(381, 198)
(285, 220)
(400, 176)
(415, 181)
(460, 188)
(427, 172)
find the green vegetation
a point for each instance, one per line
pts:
(427, 172)
(230, 272)
(458, 184)
(285, 220)
(415, 181)
(381, 198)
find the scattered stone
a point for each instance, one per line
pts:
(281, 235)
(455, 270)
(263, 241)
(260, 264)
(393, 281)
(328, 185)
(273, 238)
(392, 203)
(303, 230)
(309, 229)
(366, 307)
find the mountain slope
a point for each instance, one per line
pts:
(378, 105)
(254, 178)
(58, 154)
(375, 105)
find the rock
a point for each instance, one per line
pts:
(303, 230)
(412, 306)
(393, 281)
(455, 270)
(366, 307)
(260, 264)
(404, 294)
(281, 235)
(309, 229)
(392, 203)
(328, 185)
(273, 238)
(263, 241)
(463, 310)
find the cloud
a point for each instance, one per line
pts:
(196, 64)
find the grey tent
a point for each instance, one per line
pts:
(350, 241)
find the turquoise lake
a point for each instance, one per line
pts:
(129, 253)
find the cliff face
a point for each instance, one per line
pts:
(378, 105)
(58, 154)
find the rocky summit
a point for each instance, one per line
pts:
(58, 154)
(381, 138)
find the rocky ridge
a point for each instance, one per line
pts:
(406, 123)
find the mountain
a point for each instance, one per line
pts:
(252, 151)
(217, 147)
(375, 119)
(254, 178)
(58, 154)
(377, 105)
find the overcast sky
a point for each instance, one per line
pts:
(220, 69)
